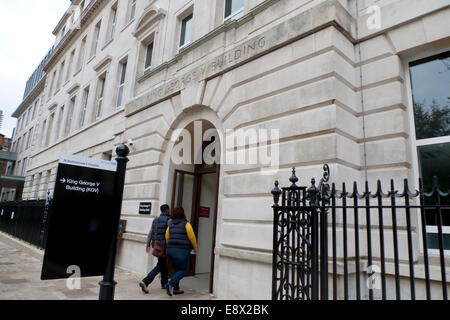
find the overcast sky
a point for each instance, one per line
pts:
(25, 37)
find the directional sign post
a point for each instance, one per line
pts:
(81, 218)
(84, 220)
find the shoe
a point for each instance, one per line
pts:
(175, 292)
(163, 286)
(169, 290)
(143, 287)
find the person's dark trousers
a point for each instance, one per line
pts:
(179, 260)
(160, 267)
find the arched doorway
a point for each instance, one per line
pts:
(194, 185)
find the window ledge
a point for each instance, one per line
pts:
(127, 25)
(76, 73)
(90, 59)
(107, 43)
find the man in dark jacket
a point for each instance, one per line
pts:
(157, 232)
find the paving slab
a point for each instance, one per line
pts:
(20, 269)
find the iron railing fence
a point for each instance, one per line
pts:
(336, 244)
(25, 220)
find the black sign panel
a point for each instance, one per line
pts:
(81, 220)
(145, 208)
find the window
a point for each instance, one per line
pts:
(18, 169)
(69, 66)
(58, 124)
(35, 108)
(69, 117)
(113, 22)
(233, 9)
(60, 76)
(148, 57)
(24, 167)
(29, 115)
(50, 92)
(43, 133)
(81, 53)
(430, 80)
(101, 89)
(19, 146)
(49, 129)
(95, 39)
(123, 72)
(84, 106)
(132, 10)
(186, 31)
(30, 135)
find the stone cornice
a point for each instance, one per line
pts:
(321, 16)
(77, 28)
(102, 63)
(61, 22)
(152, 14)
(32, 95)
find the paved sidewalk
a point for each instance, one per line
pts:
(20, 269)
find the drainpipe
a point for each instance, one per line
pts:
(362, 92)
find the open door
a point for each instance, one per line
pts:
(185, 192)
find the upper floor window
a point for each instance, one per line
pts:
(69, 116)
(430, 79)
(96, 38)
(186, 31)
(123, 72)
(84, 105)
(69, 66)
(101, 89)
(81, 53)
(132, 10)
(113, 22)
(148, 57)
(233, 9)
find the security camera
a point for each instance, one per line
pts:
(130, 143)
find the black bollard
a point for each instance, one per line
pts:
(107, 286)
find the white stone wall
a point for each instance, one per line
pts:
(303, 77)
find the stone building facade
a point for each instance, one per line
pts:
(335, 77)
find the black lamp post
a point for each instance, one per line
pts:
(107, 285)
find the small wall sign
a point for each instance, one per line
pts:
(204, 212)
(145, 208)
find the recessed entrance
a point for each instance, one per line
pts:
(195, 188)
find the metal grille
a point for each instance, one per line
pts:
(26, 220)
(335, 244)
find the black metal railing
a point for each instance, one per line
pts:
(361, 245)
(26, 220)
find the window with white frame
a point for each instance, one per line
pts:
(69, 66)
(58, 123)
(81, 53)
(430, 81)
(234, 9)
(49, 129)
(122, 75)
(35, 108)
(101, 89)
(69, 116)
(44, 125)
(96, 38)
(113, 22)
(186, 31)
(132, 10)
(148, 57)
(84, 105)
(30, 135)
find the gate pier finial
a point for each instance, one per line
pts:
(276, 192)
(293, 178)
